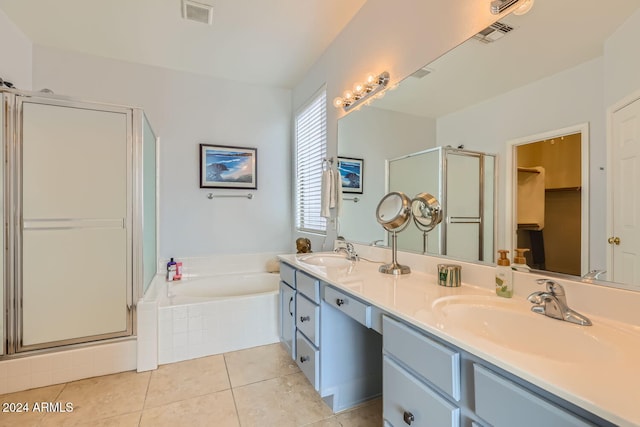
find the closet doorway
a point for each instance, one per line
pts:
(550, 206)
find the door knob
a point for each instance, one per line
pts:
(613, 240)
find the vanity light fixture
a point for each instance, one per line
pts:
(499, 6)
(362, 91)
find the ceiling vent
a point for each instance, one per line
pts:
(422, 72)
(493, 32)
(198, 12)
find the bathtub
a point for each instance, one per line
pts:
(202, 316)
(201, 289)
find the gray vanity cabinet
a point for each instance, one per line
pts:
(421, 378)
(338, 354)
(287, 312)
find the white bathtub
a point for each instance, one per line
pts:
(209, 315)
(201, 289)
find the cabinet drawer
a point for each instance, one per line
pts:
(503, 403)
(308, 360)
(309, 286)
(288, 274)
(436, 363)
(348, 305)
(308, 319)
(408, 401)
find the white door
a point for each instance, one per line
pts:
(625, 236)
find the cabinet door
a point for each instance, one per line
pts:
(506, 404)
(287, 318)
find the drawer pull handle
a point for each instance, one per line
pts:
(340, 302)
(304, 359)
(290, 301)
(408, 417)
(305, 318)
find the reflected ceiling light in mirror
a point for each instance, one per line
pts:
(372, 85)
(499, 6)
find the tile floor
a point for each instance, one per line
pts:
(260, 386)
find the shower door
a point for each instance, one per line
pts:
(73, 222)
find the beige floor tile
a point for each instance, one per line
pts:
(364, 416)
(259, 364)
(29, 397)
(284, 401)
(126, 420)
(367, 415)
(215, 409)
(184, 380)
(98, 398)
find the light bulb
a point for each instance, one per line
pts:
(358, 89)
(524, 7)
(338, 102)
(371, 79)
(347, 95)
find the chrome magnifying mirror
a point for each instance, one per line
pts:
(427, 213)
(393, 213)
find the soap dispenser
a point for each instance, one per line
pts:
(504, 284)
(520, 262)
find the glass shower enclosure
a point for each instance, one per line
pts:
(80, 215)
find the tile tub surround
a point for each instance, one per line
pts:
(214, 390)
(168, 334)
(599, 386)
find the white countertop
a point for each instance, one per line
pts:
(605, 382)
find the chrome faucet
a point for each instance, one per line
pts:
(553, 303)
(349, 250)
(594, 275)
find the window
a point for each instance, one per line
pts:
(311, 149)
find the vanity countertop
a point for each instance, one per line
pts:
(604, 381)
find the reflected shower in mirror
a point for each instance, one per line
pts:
(487, 93)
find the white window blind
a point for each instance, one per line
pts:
(311, 149)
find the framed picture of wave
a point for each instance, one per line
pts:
(351, 174)
(223, 166)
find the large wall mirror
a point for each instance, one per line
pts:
(564, 65)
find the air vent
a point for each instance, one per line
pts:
(197, 12)
(493, 32)
(422, 72)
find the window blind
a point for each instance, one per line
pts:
(311, 149)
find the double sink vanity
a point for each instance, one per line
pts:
(460, 356)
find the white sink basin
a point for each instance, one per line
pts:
(325, 259)
(509, 324)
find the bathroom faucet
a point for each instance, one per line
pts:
(594, 274)
(553, 303)
(349, 250)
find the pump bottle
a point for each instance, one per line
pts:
(520, 262)
(504, 283)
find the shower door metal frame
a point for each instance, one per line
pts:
(14, 220)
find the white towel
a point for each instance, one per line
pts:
(531, 198)
(325, 193)
(338, 186)
(331, 194)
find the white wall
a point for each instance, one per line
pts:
(376, 135)
(622, 63)
(398, 37)
(568, 98)
(15, 65)
(185, 110)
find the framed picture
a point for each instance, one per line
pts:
(351, 174)
(223, 166)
